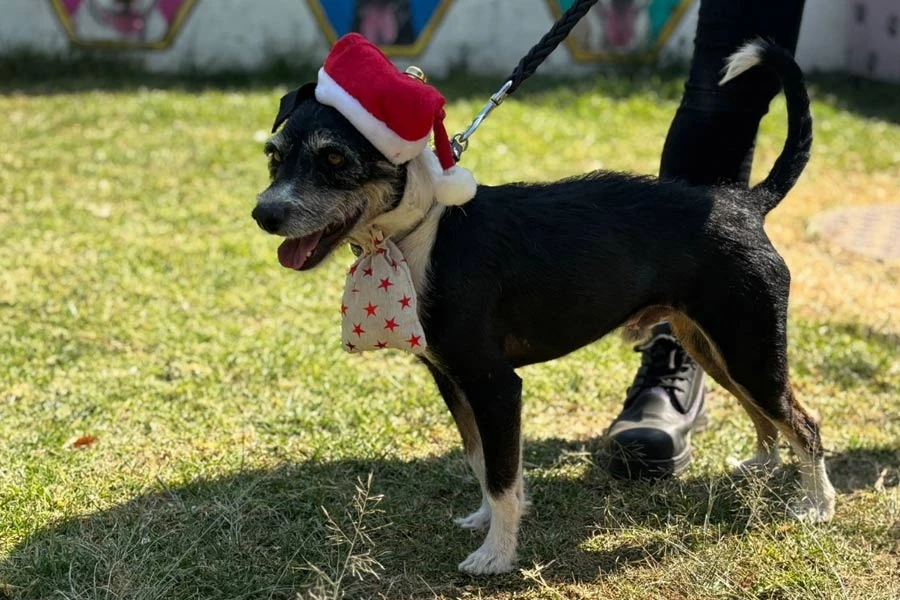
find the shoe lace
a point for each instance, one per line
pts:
(664, 364)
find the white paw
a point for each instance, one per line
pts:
(487, 561)
(811, 510)
(479, 519)
(754, 465)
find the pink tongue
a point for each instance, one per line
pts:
(292, 253)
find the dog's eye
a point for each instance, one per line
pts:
(335, 159)
(275, 156)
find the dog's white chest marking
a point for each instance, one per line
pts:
(379, 308)
(384, 288)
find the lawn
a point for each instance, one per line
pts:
(178, 420)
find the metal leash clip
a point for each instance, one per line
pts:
(460, 141)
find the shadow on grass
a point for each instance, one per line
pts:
(850, 356)
(864, 468)
(256, 533)
(39, 75)
(873, 99)
(35, 74)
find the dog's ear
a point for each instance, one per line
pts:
(291, 101)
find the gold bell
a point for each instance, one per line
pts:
(416, 73)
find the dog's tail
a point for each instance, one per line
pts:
(795, 154)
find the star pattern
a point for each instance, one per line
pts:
(379, 307)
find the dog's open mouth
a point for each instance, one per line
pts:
(306, 252)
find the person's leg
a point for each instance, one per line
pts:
(712, 136)
(711, 140)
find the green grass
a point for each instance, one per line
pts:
(140, 305)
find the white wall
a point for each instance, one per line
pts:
(483, 35)
(823, 35)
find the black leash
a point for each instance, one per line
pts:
(525, 69)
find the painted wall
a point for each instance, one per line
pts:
(484, 36)
(874, 39)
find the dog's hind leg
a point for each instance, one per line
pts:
(707, 356)
(495, 395)
(468, 429)
(751, 339)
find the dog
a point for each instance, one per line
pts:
(526, 273)
(118, 20)
(384, 22)
(617, 26)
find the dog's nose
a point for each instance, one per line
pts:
(270, 216)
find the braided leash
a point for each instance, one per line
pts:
(525, 69)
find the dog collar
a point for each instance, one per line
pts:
(379, 308)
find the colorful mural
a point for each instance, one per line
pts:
(122, 24)
(873, 39)
(398, 27)
(622, 30)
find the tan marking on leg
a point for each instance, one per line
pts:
(468, 430)
(704, 351)
(637, 327)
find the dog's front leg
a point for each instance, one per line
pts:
(495, 397)
(468, 430)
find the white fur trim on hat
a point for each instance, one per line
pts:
(452, 187)
(394, 147)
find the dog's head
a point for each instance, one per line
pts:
(326, 180)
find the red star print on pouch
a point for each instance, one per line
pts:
(378, 284)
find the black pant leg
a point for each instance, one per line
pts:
(712, 136)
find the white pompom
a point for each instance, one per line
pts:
(452, 187)
(455, 186)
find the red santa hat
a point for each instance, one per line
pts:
(396, 112)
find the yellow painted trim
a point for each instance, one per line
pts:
(180, 17)
(401, 50)
(645, 56)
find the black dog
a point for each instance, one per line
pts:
(526, 273)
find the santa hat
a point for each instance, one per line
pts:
(396, 112)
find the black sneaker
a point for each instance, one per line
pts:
(651, 437)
